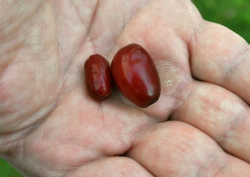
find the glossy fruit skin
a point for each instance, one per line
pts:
(136, 76)
(98, 78)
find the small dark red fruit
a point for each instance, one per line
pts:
(98, 78)
(136, 76)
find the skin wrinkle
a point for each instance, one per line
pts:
(236, 64)
(22, 119)
(43, 138)
(227, 139)
(59, 46)
(36, 110)
(17, 47)
(20, 23)
(106, 152)
(212, 158)
(233, 64)
(26, 131)
(231, 129)
(90, 159)
(42, 169)
(57, 145)
(17, 135)
(189, 40)
(187, 146)
(223, 139)
(14, 50)
(92, 39)
(179, 97)
(91, 24)
(61, 54)
(182, 100)
(78, 11)
(122, 160)
(192, 43)
(83, 40)
(48, 167)
(57, 131)
(101, 110)
(220, 170)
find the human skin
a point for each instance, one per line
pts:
(49, 126)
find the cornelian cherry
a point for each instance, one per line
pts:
(136, 76)
(98, 78)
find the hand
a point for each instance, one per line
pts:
(49, 126)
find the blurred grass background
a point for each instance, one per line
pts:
(234, 14)
(7, 171)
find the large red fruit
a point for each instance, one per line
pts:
(98, 78)
(136, 76)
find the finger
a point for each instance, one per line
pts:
(178, 149)
(113, 167)
(220, 114)
(220, 56)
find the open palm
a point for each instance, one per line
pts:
(49, 126)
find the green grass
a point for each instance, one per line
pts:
(234, 14)
(7, 171)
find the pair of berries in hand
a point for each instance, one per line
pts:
(133, 71)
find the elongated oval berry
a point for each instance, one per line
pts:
(98, 78)
(136, 76)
